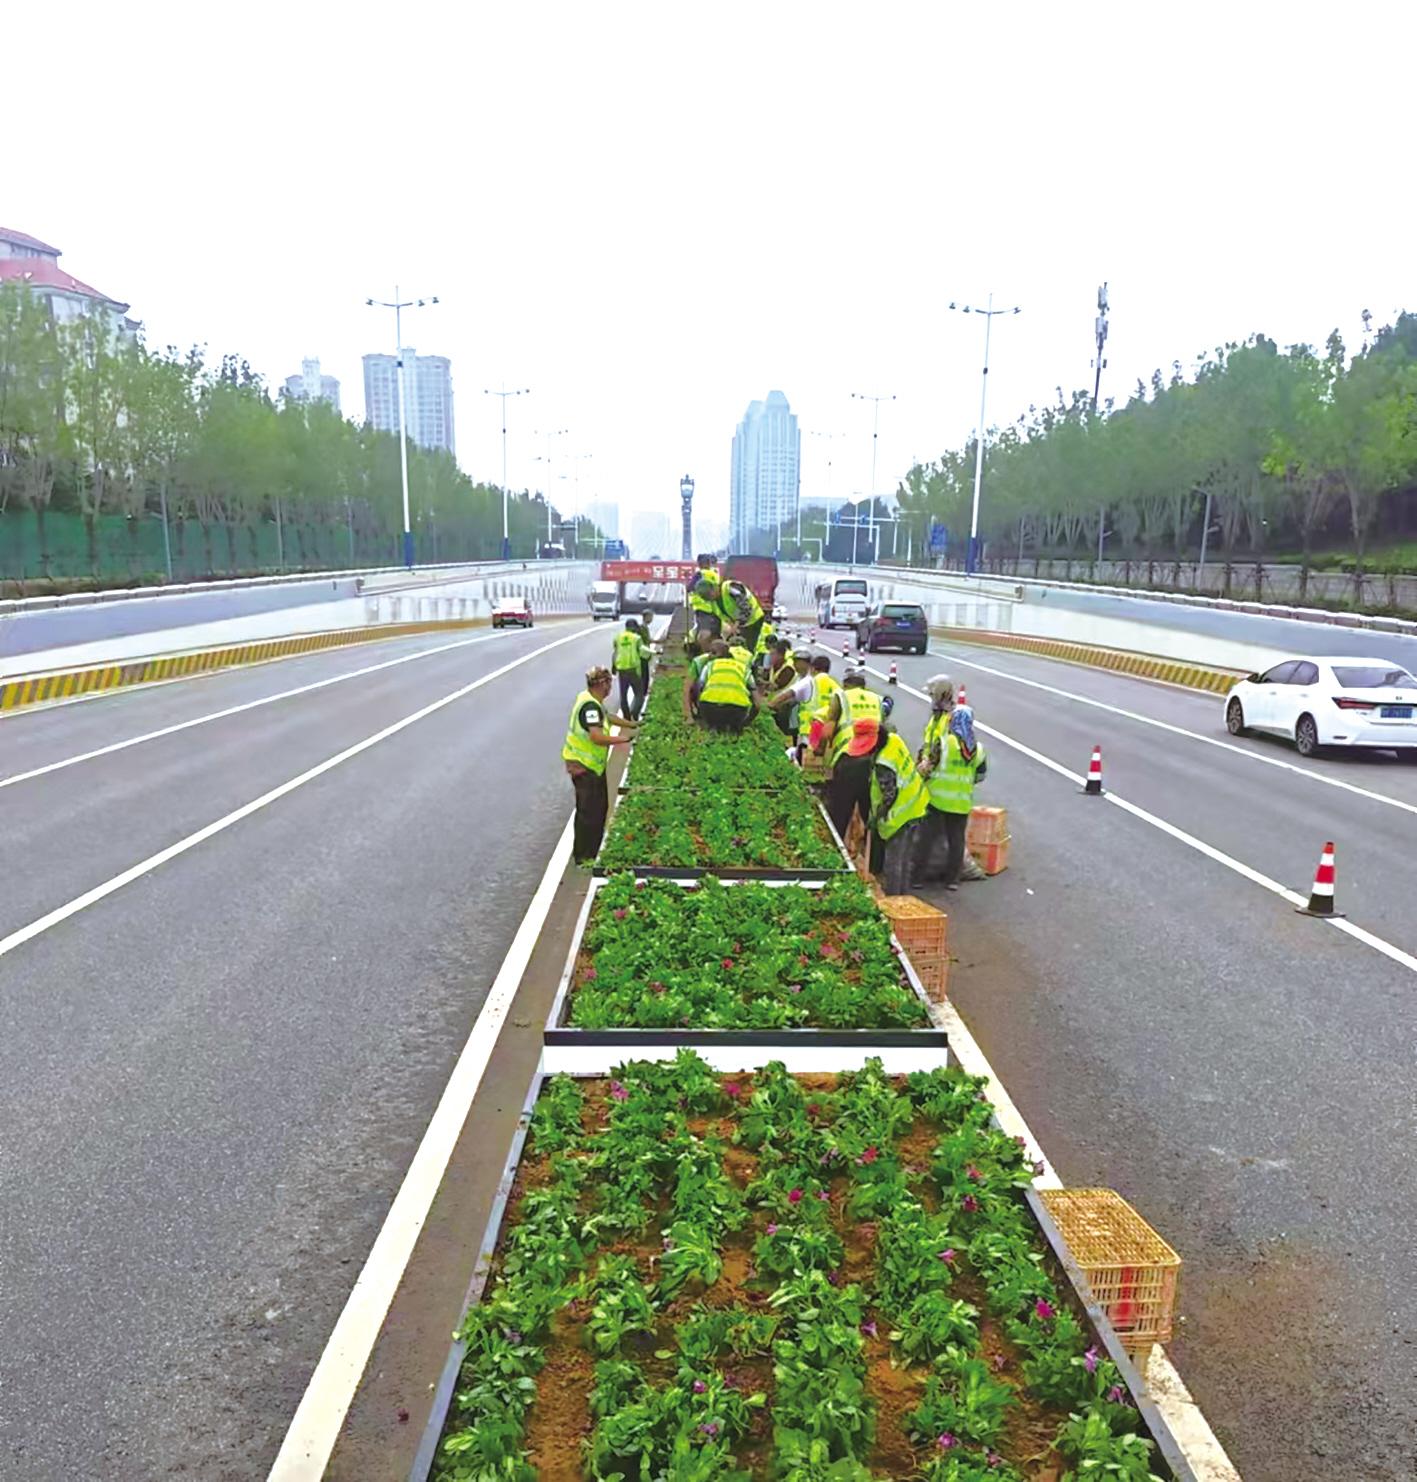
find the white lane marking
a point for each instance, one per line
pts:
(305, 1452)
(201, 720)
(1163, 725)
(126, 877)
(1256, 877)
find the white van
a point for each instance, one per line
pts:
(841, 603)
(604, 599)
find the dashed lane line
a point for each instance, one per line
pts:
(163, 856)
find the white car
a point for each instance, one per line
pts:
(779, 613)
(1319, 702)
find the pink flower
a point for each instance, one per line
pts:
(999, 1362)
(823, 1196)
(973, 1174)
(1089, 1360)
(870, 1155)
(620, 913)
(794, 987)
(947, 1256)
(946, 1441)
(710, 1429)
(591, 974)
(868, 1329)
(970, 1203)
(772, 1229)
(733, 1089)
(618, 1092)
(994, 1459)
(699, 1386)
(727, 963)
(795, 1197)
(1043, 1308)
(813, 1110)
(1117, 1395)
(730, 1381)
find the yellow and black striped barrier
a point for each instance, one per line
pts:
(35, 689)
(1143, 666)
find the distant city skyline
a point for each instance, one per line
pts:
(429, 383)
(766, 474)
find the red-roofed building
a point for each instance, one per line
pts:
(27, 260)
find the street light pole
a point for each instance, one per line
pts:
(971, 555)
(398, 305)
(828, 436)
(875, 438)
(1100, 365)
(546, 459)
(504, 394)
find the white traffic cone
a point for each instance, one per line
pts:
(1094, 774)
(1321, 896)
(893, 679)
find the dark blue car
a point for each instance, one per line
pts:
(899, 625)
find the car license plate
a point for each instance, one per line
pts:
(902, 622)
(1396, 712)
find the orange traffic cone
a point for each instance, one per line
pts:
(1321, 896)
(1094, 774)
(963, 698)
(893, 678)
(846, 648)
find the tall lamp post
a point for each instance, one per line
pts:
(1100, 365)
(971, 554)
(398, 305)
(546, 459)
(504, 394)
(686, 517)
(828, 436)
(875, 439)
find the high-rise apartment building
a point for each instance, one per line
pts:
(766, 475)
(605, 515)
(430, 397)
(310, 385)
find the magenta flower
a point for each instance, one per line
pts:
(591, 975)
(947, 1255)
(1117, 1395)
(1089, 1360)
(946, 1441)
(869, 1329)
(870, 1155)
(732, 1089)
(1044, 1308)
(620, 913)
(795, 1196)
(994, 1459)
(973, 1174)
(834, 1277)
(999, 1362)
(823, 1196)
(772, 1229)
(813, 1110)
(970, 1203)
(730, 1381)
(710, 1429)
(727, 963)
(699, 1386)
(794, 987)
(618, 1092)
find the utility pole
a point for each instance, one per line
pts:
(971, 554)
(1100, 365)
(875, 439)
(504, 394)
(398, 305)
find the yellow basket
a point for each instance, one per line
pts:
(1131, 1269)
(922, 932)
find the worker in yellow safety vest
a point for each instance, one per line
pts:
(587, 749)
(951, 760)
(704, 602)
(789, 687)
(850, 725)
(811, 717)
(738, 604)
(718, 694)
(631, 657)
(899, 800)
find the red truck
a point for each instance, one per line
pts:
(758, 574)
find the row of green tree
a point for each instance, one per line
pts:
(94, 424)
(1287, 448)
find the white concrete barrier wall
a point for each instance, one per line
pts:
(553, 588)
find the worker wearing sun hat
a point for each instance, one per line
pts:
(585, 753)
(951, 760)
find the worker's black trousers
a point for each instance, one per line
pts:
(940, 851)
(632, 692)
(849, 789)
(592, 806)
(893, 860)
(720, 717)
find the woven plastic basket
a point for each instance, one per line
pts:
(1131, 1269)
(922, 932)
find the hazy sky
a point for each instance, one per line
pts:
(653, 213)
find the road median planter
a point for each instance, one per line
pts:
(771, 1272)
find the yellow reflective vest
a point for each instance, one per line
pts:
(630, 650)
(857, 705)
(951, 780)
(911, 802)
(710, 578)
(579, 747)
(725, 683)
(825, 687)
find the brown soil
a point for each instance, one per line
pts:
(896, 1392)
(559, 1420)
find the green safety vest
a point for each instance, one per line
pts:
(628, 650)
(729, 595)
(705, 604)
(912, 801)
(579, 747)
(741, 657)
(725, 683)
(766, 634)
(826, 688)
(951, 782)
(856, 705)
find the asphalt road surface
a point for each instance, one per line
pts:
(213, 1078)
(1247, 1076)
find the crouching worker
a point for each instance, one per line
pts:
(898, 802)
(718, 695)
(587, 749)
(952, 760)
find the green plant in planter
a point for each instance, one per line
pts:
(962, 1399)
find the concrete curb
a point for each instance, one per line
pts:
(1143, 666)
(35, 689)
